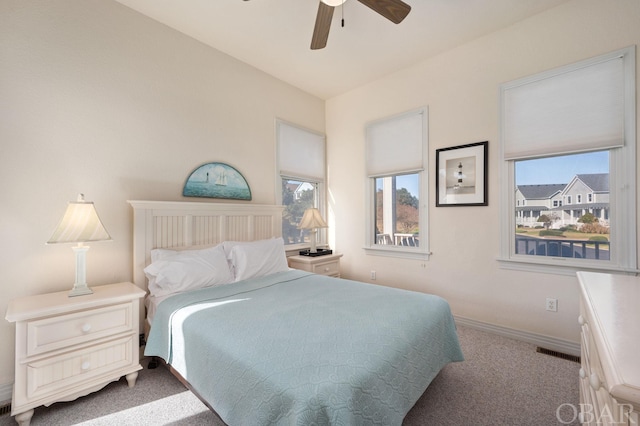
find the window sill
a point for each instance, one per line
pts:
(394, 251)
(570, 268)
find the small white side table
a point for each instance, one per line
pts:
(67, 347)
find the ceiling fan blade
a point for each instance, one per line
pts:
(323, 23)
(393, 10)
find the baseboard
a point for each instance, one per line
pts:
(6, 392)
(548, 342)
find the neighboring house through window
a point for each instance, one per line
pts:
(534, 199)
(565, 133)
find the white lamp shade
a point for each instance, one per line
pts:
(312, 219)
(79, 224)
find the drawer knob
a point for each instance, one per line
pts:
(594, 381)
(85, 365)
(86, 328)
(327, 269)
(581, 320)
(583, 374)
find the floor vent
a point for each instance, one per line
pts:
(557, 354)
(5, 409)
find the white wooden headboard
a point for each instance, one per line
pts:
(181, 224)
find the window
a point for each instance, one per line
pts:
(301, 177)
(297, 196)
(573, 231)
(397, 219)
(396, 158)
(567, 132)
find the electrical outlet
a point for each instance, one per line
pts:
(373, 275)
(552, 304)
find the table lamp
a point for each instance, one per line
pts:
(312, 220)
(80, 224)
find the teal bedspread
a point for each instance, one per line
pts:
(298, 349)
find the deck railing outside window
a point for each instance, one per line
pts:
(579, 249)
(407, 240)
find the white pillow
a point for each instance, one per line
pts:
(159, 254)
(187, 270)
(229, 245)
(258, 258)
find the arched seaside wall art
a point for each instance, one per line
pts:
(217, 180)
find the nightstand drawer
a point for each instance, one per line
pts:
(323, 265)
(62, 331)
(56, 374)
(327, 268)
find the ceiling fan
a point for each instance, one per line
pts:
(393, 10)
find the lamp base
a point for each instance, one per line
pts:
(80, 287)
(320, 252)
(80, 291)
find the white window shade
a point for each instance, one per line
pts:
(395, 145)
(301, 153)
(565, 111)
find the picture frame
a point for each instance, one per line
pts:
(462, 175)
(217, 180)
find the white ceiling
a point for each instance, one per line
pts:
(274, 35)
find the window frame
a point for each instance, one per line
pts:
(622, 178)
(320, 185)
(422, 252)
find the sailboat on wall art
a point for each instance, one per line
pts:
(217, 180)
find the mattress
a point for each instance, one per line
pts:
(151, 303)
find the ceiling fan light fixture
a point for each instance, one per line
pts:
(333, 3)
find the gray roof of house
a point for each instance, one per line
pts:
(599, 182)
(533, 192)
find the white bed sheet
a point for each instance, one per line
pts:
(151, 303)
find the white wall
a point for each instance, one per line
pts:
(460, 88)
(96, 98)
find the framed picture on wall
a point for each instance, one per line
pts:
(217, 180)
(461, 175)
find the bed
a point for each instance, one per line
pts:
(271, 345)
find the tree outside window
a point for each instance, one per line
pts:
(297, 196)
(397, 216)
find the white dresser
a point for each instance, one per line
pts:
(67, 347)
(610, 356)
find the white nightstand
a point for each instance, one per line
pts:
(329, 264)
(67, 347)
